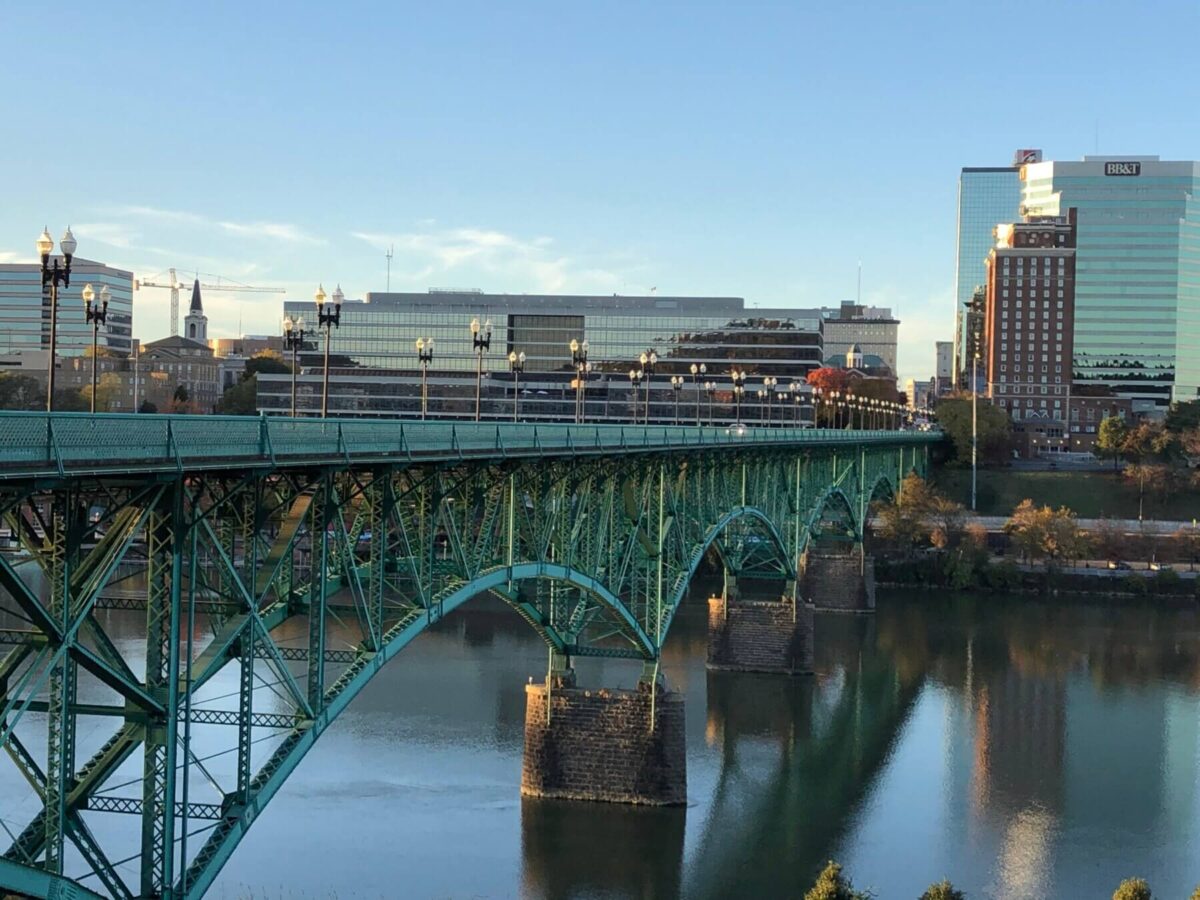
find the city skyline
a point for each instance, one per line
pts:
(578, 151)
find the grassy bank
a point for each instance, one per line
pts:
(1092, 495)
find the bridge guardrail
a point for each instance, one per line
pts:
(41, 443)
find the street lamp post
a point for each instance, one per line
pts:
(293, 339)
(739, 388)
(328, 319)
(769, 388)
(579, 358)
(697, 371)
(676, 387)
(635, 380)
(761, 393)
(424, 357)
(516, 362)
(975, 424)
(710, 388)
(648, 360)
(52, 277)
(481, 340)
(95, 316)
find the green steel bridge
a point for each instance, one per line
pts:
(270, 567)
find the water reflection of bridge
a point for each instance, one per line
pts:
(797, 757)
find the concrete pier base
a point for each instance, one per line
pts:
(840, 582)
(760, 636)
(609, 745)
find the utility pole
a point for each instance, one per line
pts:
(974, 423)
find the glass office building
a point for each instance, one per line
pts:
(374, 368)
(25, 309)
(987, 196)
(1137, 288)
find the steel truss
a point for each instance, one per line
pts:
(212, 624)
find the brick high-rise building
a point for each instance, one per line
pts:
(1029, 323)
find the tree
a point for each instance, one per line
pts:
(1132, 889)
(946, 520)
(829, 379)
(70, 401)
(1183, 416)
(21, 392)
(903, 521)
(1188, 540)
(268, 362)
(1042, 532)
(993, 429)
(833, 885)
(108, 389)
(240, 399)
(874, 389)
(943, 890)
(147, 407)
(181, 394)
(1110, 439)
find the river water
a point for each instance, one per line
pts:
(1023, 750)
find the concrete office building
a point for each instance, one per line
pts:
(374, 368)
(943, 367)
(1137, 292)
(987, 195)
(873, 329)
(25, 309)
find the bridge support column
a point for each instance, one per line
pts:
(617, 746)
(760, 636)
(842, 582)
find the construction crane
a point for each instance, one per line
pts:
(174, 286)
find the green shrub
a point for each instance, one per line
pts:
(1002, 576)
(943, 890)
(1134, 583)
(1167, 581)
(1132, 889)
(833, 885)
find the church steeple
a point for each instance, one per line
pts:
(195, 324)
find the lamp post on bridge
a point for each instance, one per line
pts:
(697, 371)
(579, 359)
(648, 360)
(676, 387)
(516, 363)
(739, 388)
(424, 358)
(328, 319)
(52, 277)
(710, 388)
(635, 380)
(293, 340)
(481, 340)
(769, 388)
(96, 316)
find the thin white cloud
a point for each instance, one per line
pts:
(12, 256)
(114, 234)
(280, 231)
(490, 253)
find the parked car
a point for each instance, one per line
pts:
(1117, 564)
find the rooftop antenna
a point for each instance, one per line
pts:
(389, 264)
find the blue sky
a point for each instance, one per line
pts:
(753, 149)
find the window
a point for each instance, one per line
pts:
(1057, 390)
(1058, 368)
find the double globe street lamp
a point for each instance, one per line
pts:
(676, 388)
(481, 341)
(293, 340)
(52, 277)
(579, 359)
(328, 319)
(424, 357)
(739, 388)
(648, 360)
(697, 371)
(95, 316)
(635, 379)
(516, 363)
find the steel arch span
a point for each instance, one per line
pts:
(267, 570)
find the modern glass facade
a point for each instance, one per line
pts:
(987, 197)
(374, 368)
(1137, 289)
(25, 309)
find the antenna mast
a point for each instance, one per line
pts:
(389, 264)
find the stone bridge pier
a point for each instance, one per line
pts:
(838, 578)
(619, 746)
(773, 636)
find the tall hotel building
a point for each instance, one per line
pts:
(1029, 319)
(1137, 291)
(986, 195)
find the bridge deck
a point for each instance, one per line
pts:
(41, 444)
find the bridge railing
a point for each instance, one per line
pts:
(36, 443)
